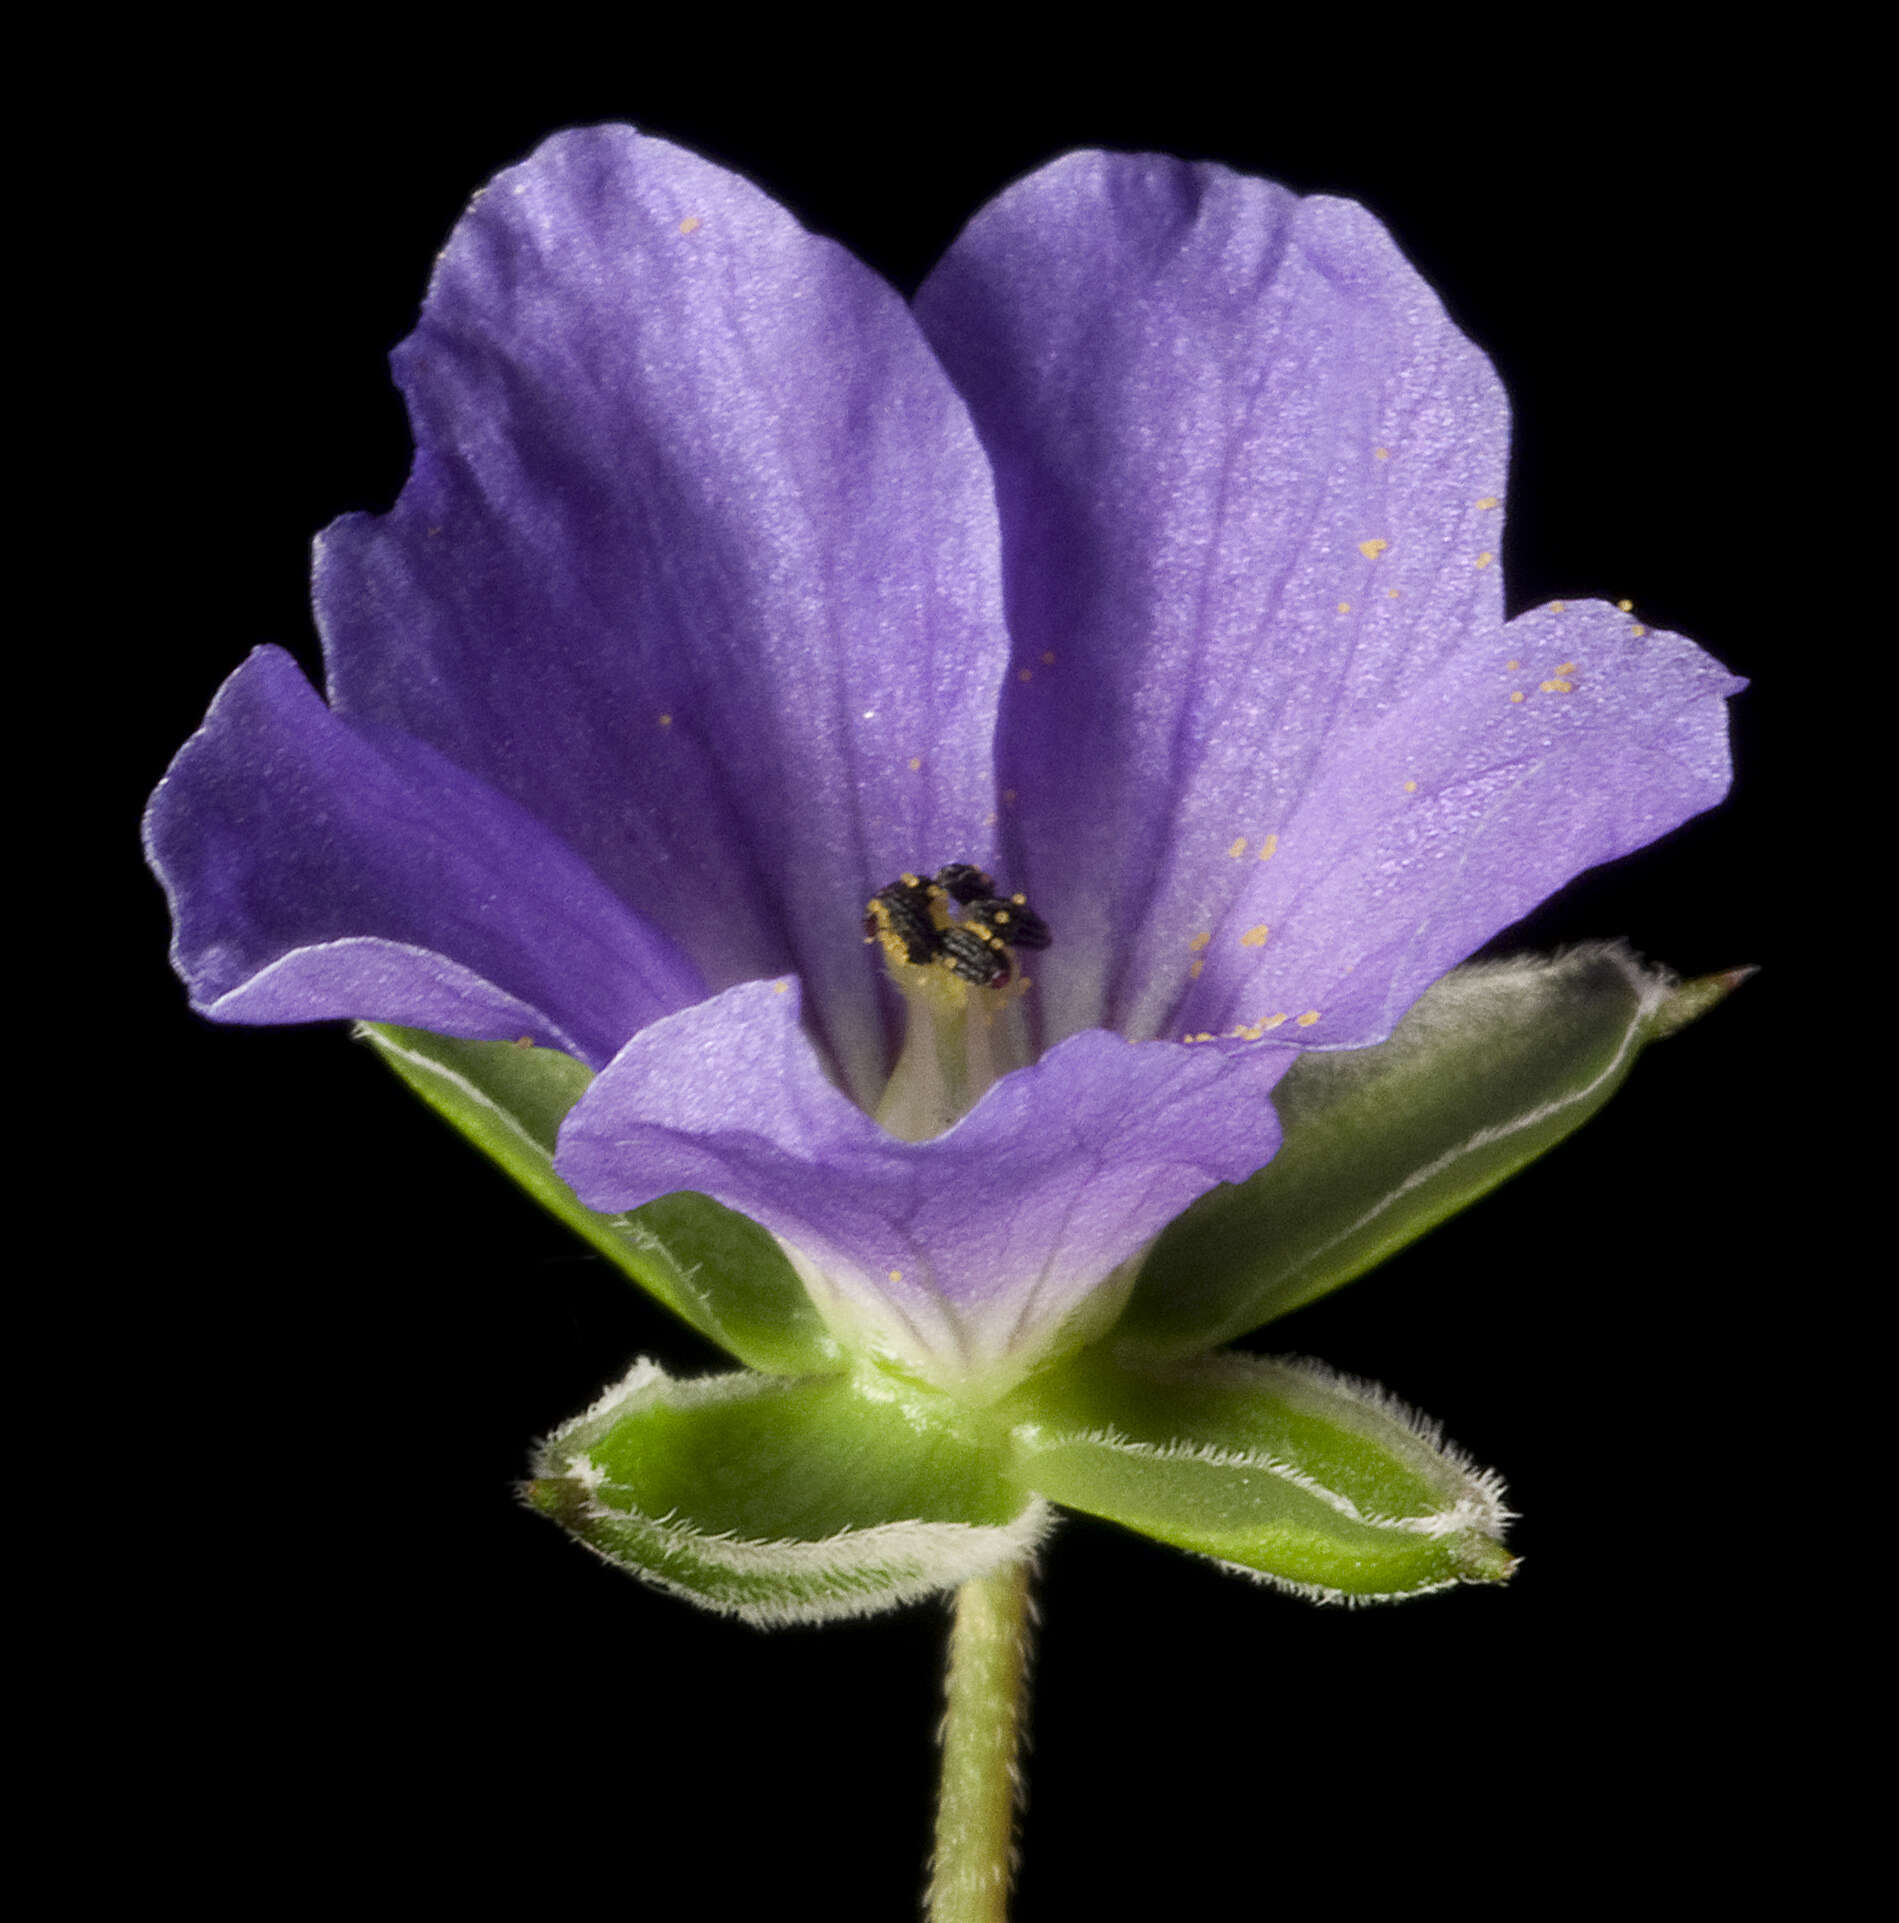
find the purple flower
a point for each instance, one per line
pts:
(1148, 562)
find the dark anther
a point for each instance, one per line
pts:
(964, 884)
(912, 918)
(903, 911)
(974, 958)
(1014, 921)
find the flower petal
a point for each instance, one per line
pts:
(966, 1257)
(319, 868)
(1265, 762)
(697, 562)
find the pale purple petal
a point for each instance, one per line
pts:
(1250, 479)
(1580, 735)
(320, 868)
(698, 562)
(959, 1252)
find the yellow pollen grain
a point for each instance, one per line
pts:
(1271, 1021)
(1489, 500)
(1556, 607)
(1411, 787)
(1048, 657)
(1373, 548)
(916, 762)
(1556, 687)
(1381, 453)
(665, 721)
(1391, 594)
(1345, 607)
(1511, 667)
(1008, 796)
(1627, 607)
(896, 1275)
(1194, 971)
(1638, 630)
(1565, 667)
(1518, 696)
(690, 225)
(1269, 848)
(1238, 848)
(1025, 674)
(1483, 560)
(781, 988)
(1255, 937)
(1308, 1018)
(990, 819)
(1200, 941)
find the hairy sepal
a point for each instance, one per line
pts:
(1493, 1066)
(786, 1501)
(716, 1269)
(1278, 1470)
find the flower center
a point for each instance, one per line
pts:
(950, 945)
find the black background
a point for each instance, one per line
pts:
(339, 1637)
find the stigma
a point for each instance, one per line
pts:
(951, 945)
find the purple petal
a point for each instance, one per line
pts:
(698, 562)
(1249, 476)
(1426, 835)
(956, 1254)
(319, 867)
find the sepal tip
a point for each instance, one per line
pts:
(1688, 1001)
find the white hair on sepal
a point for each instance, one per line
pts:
(1480, 1504)
(641, 1376)
(647, 1381)
(1488, 1486)
(854, 1573)
(1313, 1592)
(1466, 1513)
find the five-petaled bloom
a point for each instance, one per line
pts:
(1140, 579)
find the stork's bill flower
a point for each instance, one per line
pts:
(934, 766)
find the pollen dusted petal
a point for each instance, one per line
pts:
(1249, 476)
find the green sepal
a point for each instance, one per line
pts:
(717, 1269)
(1492, 1066)
(786, 1501)
(1277, 1470)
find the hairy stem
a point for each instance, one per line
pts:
(985, 1702)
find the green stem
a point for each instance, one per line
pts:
(986, 1696)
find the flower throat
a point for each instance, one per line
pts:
(950, 945)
